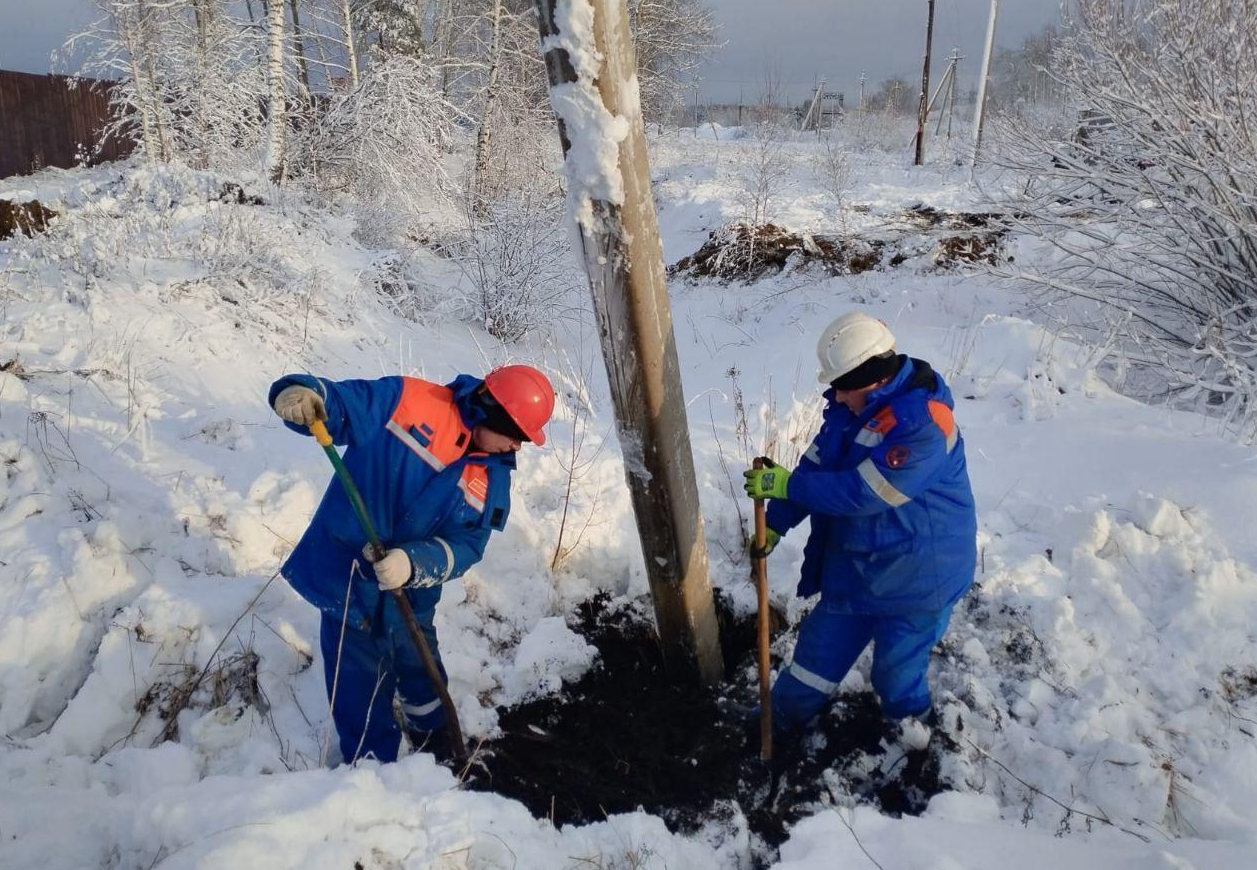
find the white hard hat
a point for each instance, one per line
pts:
(849, 341)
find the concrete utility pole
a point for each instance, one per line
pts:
(922, 108)
(979, 109)
(813, 116)
(623, 257)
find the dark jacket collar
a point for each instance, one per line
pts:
(913, 374)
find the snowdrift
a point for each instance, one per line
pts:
(159, 684)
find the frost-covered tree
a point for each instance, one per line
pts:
(382, 144)
(395, 26)
(672, 37)
(1151, 200)
(190, 84)
(896, 96)
(1023, 75)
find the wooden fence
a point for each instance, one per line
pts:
(51, 120)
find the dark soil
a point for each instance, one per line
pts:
(945, 240)
(231, 192)
(743, 252)
(624, 737)
(26, 218)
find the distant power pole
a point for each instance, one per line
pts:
(863, 79)
(922, 108)
(979, 109)
(620, 249)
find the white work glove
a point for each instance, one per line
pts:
(300, 405)
(392, 571)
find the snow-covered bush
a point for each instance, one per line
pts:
(832, 163)
(382, 144)
(189, 81)
(1151, 202)
(517, 258)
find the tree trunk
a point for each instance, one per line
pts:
(147, 43)
(485, 134)
(128, 30)
(442, 35)
(302, 64)
(351, 48)
(623, 257)
(277, 110)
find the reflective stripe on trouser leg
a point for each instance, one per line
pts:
(829, 643)
(901, 660)
(363, 707)
(419, 699)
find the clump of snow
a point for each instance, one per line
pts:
(954, 806)
(594, 134)
(550, 654)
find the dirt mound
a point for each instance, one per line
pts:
(26, 218)
(744, 252)
(942, 240)
(623, 738)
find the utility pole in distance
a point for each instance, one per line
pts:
(590, 60)
(979, 109)
(922, 108)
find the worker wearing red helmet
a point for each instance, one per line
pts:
(433, 463)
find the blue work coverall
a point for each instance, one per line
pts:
(408, 449)
(892, 547)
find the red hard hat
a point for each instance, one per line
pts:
(525, 394)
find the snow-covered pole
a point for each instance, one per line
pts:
(979, 109)
(923, 106)
(593, 87)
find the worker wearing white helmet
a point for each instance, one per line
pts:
(893, 525)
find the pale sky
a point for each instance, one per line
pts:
(801, 40)
(796, 40)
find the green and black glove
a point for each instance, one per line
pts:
(770, 543)
(767, 482)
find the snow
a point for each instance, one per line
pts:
(148, 496)
(592, 164)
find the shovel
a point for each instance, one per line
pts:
(453, 730)
(760, 564)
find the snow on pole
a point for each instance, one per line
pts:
(593, 87)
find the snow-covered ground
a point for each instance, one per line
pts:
(1104, 668)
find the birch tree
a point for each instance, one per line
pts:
(277, 117)
(672, 37)
(485, 133)
(189, 83)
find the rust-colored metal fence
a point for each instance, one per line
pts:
(51, 120)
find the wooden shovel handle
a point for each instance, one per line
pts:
(760, 564)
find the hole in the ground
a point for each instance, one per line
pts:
(623, 738)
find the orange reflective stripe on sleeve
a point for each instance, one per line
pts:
(943, 419)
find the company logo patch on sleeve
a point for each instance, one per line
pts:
(896, 456)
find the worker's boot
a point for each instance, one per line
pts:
(912, 733)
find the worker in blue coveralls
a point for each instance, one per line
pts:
(893, 526)
(433, 464)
